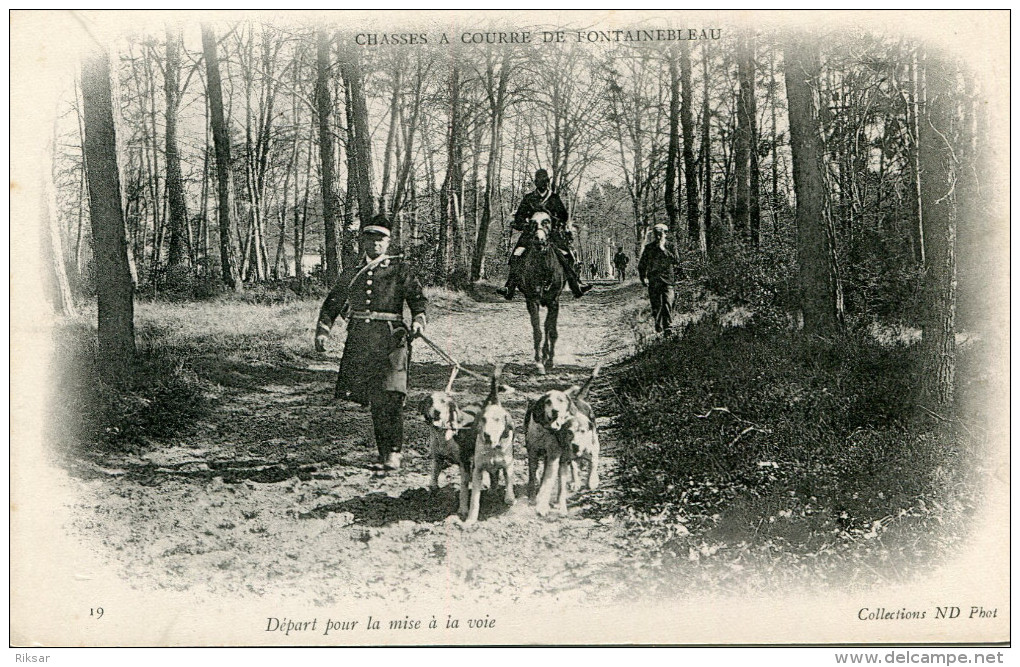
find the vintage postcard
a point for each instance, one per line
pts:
(509, 328)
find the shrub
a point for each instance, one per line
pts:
(730, 428)
(762, 279)
(161, 398)
(883, 282)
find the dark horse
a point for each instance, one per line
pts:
(542, 280)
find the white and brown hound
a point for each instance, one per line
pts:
(451, 439)
(560, 429)
(494, 449)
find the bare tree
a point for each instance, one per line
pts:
(706, 156)
(821, 294)
(495, 89)
(938, 207)
(178, 210)
(114, 287)
(327, 181)
(744, 138)
(221, 139)
(57, 286)
(361, 150)
(673, 152)
(451, 209)
(695, 232)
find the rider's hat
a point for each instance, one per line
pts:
(541, 173)
(379, 224)
(660, 227)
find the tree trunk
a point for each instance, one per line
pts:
(351, 70)
(78, 263)
(57, 287)
(672, 153)
(774, 207)
(497, 96)
(742, 145)
(938, 206)
(391, 135)
(450, 217)
(917, 239)
(115, 291)
(348, 245)
(221, 140)
(821, 294)
(754, 177)
(327, 180)
(706, 158)
(694, 232)
(178, 218)
(404, 168)
(300, 226)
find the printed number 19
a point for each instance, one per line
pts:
(97, 612)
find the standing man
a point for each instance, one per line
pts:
(543, 199)
(373, 369)
(594, 270)
(620, 261)
(657, 269)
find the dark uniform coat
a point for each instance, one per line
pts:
(549, 202)
(376, 353)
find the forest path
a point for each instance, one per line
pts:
(275, 494)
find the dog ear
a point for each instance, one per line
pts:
(463, 419)
(425, 406)
(541, 411)
(573, 391)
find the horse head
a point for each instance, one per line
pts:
(541, 222)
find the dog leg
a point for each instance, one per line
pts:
(593, 474)
(465, 482)
(549, 475)
(476, 493)
(508, 473)
(532, 472)
(436, 466)
(564, 478)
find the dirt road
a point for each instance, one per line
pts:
(275, 494)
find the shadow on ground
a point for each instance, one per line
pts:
(420, 505)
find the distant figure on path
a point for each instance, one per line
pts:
(620, 261)
(594, 271)
(657, 270)
(373, 369)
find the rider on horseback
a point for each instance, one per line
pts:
(543, 199)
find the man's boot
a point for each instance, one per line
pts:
(508, 290)
(511, 279)
(567, 262)
(576, 287)
(392, 461)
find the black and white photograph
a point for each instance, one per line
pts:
(504, 328)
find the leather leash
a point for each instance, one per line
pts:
(457, 366)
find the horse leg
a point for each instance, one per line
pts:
(536, 333)
(551, 333)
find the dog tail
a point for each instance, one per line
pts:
(583, 392)
(494, 385)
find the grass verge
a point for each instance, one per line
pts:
(801, 460)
